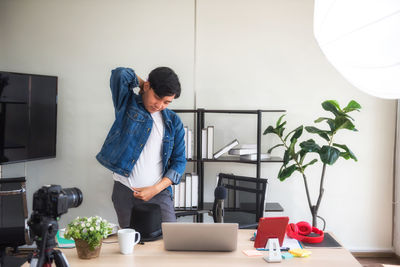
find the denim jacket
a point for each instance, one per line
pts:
(131, 129)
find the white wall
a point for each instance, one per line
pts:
(262, 54)
(249, 55)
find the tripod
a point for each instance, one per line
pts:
(46, 253)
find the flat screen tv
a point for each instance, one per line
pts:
(28, 117)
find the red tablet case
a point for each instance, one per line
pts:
(270, 227)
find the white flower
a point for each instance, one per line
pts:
(97, 228)
(83, 224)
(88, 224)
(84, 230)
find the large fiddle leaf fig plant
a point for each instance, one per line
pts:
(296, 152)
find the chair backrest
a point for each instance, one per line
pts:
(13, 212)
(244, 203)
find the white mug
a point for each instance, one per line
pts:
(126, 240)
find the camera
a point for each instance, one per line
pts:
(54, 201)
(49, 203)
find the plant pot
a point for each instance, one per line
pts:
(84, 251)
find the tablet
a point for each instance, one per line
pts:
(270, 227)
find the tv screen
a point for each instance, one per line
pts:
(28, 117)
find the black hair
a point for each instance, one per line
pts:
(165, 82)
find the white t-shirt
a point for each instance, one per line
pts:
(148, 169)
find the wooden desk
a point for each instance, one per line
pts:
(153, 254)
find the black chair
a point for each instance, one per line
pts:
(13, 214)
(244, 203)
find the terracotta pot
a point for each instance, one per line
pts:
(84, 251)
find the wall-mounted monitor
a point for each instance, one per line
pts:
(28, 117)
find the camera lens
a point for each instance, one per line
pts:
(74, 196)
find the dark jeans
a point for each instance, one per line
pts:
(123, 200)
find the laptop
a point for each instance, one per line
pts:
(200, 236)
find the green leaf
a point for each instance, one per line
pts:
(291, 147)
(310, 146)
(348, 154)
(334, 103)
(332, 106)
(286, 157)
(297, 134)
(281, 125)
(329, 154)
(321, 119)
(279, 131)
(286, 172)
(302, 154)
(308, 164)
(324, 136)
(322, 133)
(332, 126)
(353, 105)
(279, 120)
(298, 131)
(269, 130)
(342, 122)
(312, 129)
(272, 148)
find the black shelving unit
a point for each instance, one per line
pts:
(200, 162)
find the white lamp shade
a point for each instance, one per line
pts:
(361, 38)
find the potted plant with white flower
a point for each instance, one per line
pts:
(88, 234)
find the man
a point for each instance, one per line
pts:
(145, 147)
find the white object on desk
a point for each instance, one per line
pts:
(126, 240)
(274, 251)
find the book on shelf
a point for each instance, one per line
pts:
(226, 148)
(254, 156)
(210, 142)
(177, 193)
(195, 189)
(185, 129)
(190, 144)
(188, 190)
(204, 143)
(182, 187)
(242, 151)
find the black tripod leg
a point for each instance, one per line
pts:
(60, 259)
(42, 248)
